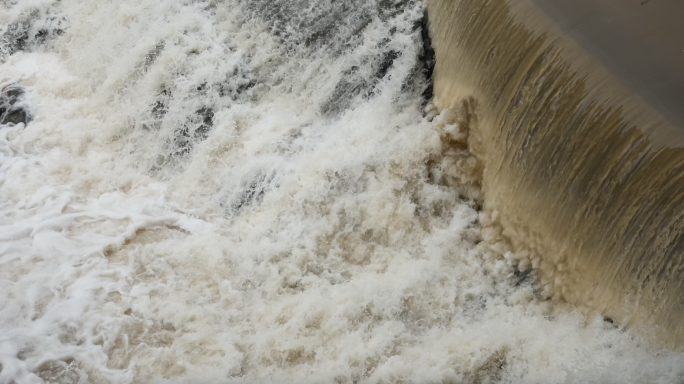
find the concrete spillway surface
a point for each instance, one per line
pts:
(580, 111)
(641, 42)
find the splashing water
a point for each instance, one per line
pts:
(253, 191)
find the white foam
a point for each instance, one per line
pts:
(289, 246)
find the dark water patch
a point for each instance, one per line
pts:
(158, 110)
(426, 58)
(31, 31)
(195, 129)
(206, 118)
(524, 276)
(189, 129)
(385, 63)
(152, 55)
(239, 86)
(161, 105)
(250, 193)
(254, 191)
(14, 108)
(352, 84)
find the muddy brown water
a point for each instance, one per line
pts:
(579, 125)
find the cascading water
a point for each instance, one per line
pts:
(259, 192)
(583, 170)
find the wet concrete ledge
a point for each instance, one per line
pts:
(641, 42)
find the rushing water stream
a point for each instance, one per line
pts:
(259, 191)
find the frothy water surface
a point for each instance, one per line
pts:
(252, 191)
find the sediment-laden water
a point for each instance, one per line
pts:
(259, 192)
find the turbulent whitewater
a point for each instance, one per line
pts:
(260, 191)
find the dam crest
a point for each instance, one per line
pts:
(582, 168)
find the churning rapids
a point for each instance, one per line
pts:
(259, 191)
